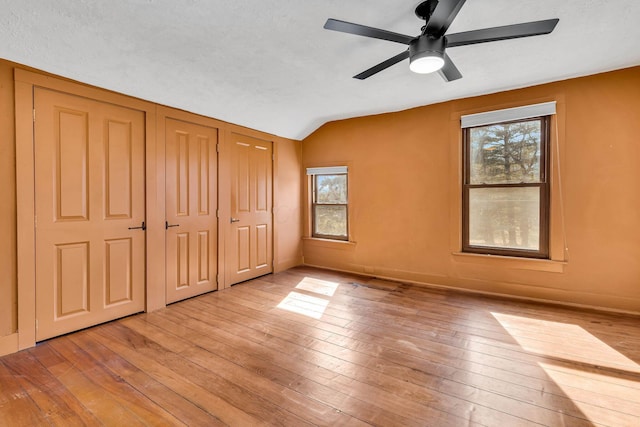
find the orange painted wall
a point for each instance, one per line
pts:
(405, 189)
(288, 211)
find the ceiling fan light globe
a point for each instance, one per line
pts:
(426, 64)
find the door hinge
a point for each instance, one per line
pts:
(217, 148)
(218, 214)
(218, 279)
(34, 114)
(273, 157)
(35, 221)
(36, 324)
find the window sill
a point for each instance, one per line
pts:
(515, 263)
(329, 243)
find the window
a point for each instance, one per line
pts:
(329, 202)
(506, 185)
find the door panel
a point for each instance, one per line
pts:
(118, 270)
(191, 197)
(203, 257)
(89, 175)
(262, 245)
(250, 247)
(182, 260)
(71, 281)
(71, 173)
(118, 170)
(243, 263)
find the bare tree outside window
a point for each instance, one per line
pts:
(506, 189)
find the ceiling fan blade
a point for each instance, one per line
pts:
(449, 71)
(506, 32)
(382, 66)
(363, 30)
(443, 16)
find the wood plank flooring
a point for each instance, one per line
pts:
(314, 347)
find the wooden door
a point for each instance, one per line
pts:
(250, 246)
(191, 197)
(89, 193)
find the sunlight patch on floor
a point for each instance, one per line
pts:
(308, 305)
(318, 286)
(571, 381)
(304, 304)
(572, 343)
(571, 378)
(563, 341)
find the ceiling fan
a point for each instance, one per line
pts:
(426, 52)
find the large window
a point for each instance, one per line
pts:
(329, 214)
(506, 188)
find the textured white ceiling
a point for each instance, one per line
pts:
(269, 64)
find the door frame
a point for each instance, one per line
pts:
(25, 83)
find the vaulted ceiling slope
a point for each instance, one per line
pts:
(270, 65)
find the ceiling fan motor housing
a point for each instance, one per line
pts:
(426, 47)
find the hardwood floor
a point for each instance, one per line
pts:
(314, 347)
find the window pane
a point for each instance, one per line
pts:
(505, 217)
(331, 189)
(505, 153)
(330, 220)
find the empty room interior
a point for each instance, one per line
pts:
(388, 213)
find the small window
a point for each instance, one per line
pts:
(329, 214)
(506, 188)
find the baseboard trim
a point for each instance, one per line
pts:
(287, 264)
(8, 344)
(483, 293)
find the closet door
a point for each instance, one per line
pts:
(250, 246)
(191, 197)
(90, 208)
